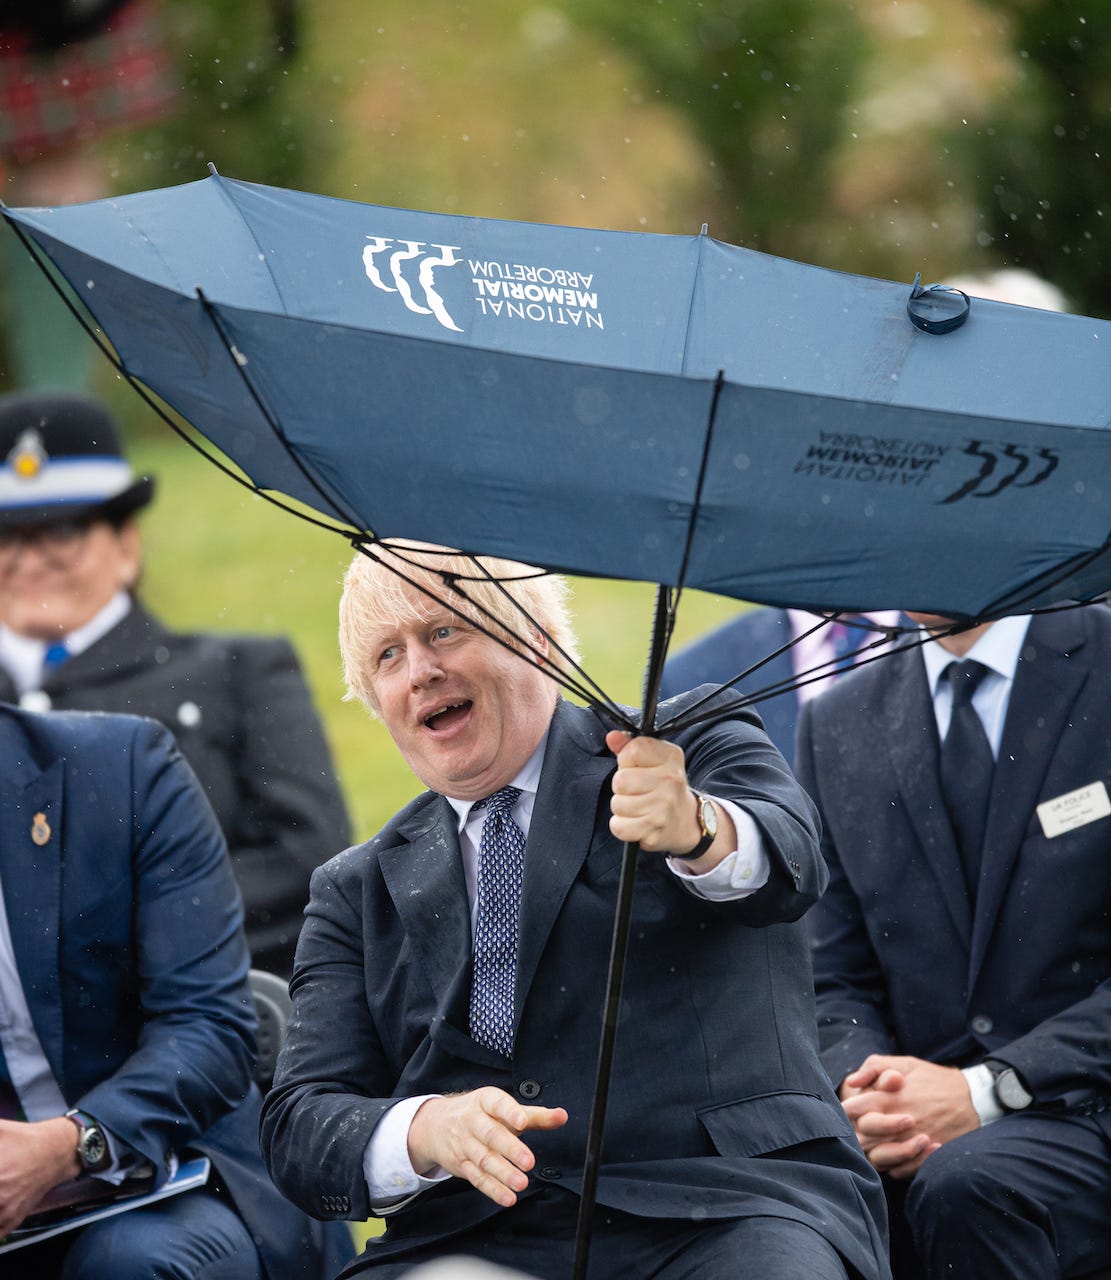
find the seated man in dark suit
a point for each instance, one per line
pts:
(447, 992)
(755, 635)
(74, 637)
(963, 949)
(127, 1039)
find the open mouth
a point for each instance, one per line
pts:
(447, 716)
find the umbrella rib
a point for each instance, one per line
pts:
(240, 363)
(144, 394)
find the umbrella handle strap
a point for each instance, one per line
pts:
(922, 299)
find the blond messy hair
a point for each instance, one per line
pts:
(510, 600)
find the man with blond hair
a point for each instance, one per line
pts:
(448, 986)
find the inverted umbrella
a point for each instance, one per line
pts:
(387, 362)
(662, 408)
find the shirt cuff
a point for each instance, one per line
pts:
(390, 1177)
(981, 1085)
(739, 873)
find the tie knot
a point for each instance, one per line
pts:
(965, 678)
(844, 640)
(501, 803)
(54, 655)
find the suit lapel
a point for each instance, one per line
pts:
(914, 750)
(1043, 695)
(562, 832)
(31, 873)
(424, 876)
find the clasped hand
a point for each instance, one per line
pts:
(904, 1108)
(476, 1136)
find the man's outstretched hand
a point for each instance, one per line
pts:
(476, 1136)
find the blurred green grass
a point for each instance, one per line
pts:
(220, 558)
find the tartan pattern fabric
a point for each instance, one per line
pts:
(117, 78)
(501, 861)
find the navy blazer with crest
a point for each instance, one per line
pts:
(719, 1105)
(127, 931)
(903, 962)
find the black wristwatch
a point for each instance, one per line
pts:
(707, 822)
(92, 1145)
(1010, 1092)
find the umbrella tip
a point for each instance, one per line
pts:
(705, 229)
(212, 169)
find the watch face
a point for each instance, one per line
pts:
(93, 1148)
(1011, 1092)
(708, 818)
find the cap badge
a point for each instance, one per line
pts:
(28, 456)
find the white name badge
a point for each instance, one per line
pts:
(1074, 809)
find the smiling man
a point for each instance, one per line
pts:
(448, 986)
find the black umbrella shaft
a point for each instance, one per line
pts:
(622, 924)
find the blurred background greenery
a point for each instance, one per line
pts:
(883, 137)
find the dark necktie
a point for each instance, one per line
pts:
(967, 766)
(501, 860)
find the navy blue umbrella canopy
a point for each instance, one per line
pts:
(662, 408)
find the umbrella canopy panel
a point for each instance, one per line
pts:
(547, 393)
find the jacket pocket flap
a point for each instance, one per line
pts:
(771, 1121)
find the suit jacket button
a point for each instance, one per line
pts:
(529, 1089)
(550, 1171)
(982, 1024)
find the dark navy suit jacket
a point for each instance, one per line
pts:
(127, 929)
(719, 1105)
(903, 962)
(725, 652)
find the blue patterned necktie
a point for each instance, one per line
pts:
(501, 861)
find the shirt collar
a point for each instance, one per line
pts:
(22, 655)
(999, 649)
(527, 779)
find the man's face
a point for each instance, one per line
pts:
(465, 712)
(56, 578)
(958, 644)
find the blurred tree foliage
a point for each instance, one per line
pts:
(249, 101)
(765, 85)
(1013, 172)
(1041, 158)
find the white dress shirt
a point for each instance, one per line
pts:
(390, 1177)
